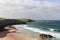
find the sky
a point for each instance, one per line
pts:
(32, 9)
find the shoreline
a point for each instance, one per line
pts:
(14, 34)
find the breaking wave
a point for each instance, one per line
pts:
(51, 32)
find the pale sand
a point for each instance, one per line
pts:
(16, 35)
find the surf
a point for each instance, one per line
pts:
(51, 32)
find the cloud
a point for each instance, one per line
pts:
(29, 9)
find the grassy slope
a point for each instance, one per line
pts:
(4, 21)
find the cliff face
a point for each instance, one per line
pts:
(14, 21)
(7, 22)
(11, 22)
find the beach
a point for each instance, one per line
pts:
(14, 34)
(11, 33)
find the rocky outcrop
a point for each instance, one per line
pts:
(50, 36)
(46, 36)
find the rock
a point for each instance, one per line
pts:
(46, 36)
(43, 36)
(49, 36)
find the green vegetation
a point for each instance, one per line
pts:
(25, 20)
(2, 19)
(6, 22)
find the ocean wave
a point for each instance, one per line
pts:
(55, 34)
(54, 30)
(51, 29)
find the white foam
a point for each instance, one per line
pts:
(57, 35)
(51, 29)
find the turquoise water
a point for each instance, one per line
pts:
(46, 25)
(51, 27)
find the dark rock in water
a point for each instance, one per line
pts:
(49, 36)
(46, 36)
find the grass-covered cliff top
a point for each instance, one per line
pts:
(2, 19)
(23, 20)
(26, 20)
(6, 22)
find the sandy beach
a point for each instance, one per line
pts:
(14, 34)
(11, 33)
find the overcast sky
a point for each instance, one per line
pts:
(33, 9)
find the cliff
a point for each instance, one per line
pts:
(6, 22)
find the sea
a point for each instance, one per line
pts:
(51, 27)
